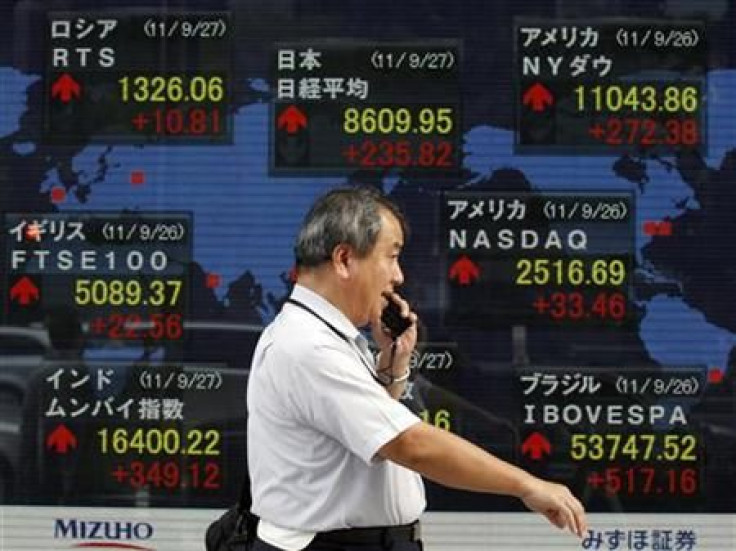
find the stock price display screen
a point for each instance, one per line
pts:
(566, 170)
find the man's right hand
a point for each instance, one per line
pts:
(556, 503)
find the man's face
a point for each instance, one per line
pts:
(379, 272)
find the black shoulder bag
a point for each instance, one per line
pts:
(235, 530)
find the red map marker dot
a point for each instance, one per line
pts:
(213, 281)
(58, 194)
(715, 375)
(137, 178)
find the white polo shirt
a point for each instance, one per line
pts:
(316, 419)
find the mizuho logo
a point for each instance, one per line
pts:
(102, 530)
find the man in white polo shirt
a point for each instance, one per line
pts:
(334, 458)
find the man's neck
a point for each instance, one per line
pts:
(321, 284)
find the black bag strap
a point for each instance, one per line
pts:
(245, 500)
(246, 520)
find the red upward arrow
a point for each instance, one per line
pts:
(24, 291)
(61, 439)
(535, 446)
(65, 87)
(292, 119)
(464, 271)
(537, 96)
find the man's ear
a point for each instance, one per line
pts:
(342, 260)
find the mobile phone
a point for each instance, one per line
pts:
(393, 320)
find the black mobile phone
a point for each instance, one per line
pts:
(393, 320)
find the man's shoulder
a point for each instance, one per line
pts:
(310, 347)
(294, 338)
(297, 328)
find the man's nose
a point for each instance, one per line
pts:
(398, 277)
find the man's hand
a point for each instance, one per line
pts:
(556, 503)
(406, 341)
(395, 356)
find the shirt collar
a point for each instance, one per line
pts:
(328, 311)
